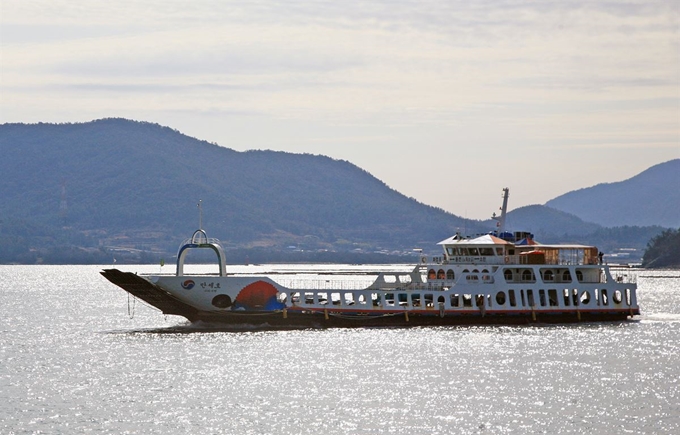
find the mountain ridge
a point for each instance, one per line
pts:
(131, 185)
(603, 203)
(124, 177)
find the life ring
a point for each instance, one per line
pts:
(507, 259)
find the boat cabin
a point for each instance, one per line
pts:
(491, 249)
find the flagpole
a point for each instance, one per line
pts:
(200, 215)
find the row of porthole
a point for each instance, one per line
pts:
(440, 274)
(548, 276)
(584, 299)
(526, 273)
(224, 301)
(449, 274)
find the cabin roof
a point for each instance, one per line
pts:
(486, 239)
(540, 246)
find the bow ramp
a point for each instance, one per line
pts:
(149, 293)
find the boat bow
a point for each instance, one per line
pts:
(150, 293)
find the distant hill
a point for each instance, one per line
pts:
(649, 198)
(549, 224)
(621, 244)
(86, 193)
(127, 184)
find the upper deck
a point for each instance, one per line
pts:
(489, 249)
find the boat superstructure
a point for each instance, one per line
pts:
(496, 278)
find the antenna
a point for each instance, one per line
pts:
(200, 214)
(504, 210)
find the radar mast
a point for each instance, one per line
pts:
(500, 224)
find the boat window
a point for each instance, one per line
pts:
(295, 297)
(467, 300)
(222, 301)
(375, 297)
(499, 252)
(548, 276)
(473, 251)
(500, 298)
(475, 271)
(579, 276)
(403, 299)
(552, 297)
(513, 301)
(566, 276)
(282, 297)
(335, 298)
(309, 297)
(390, 278)
(524, 302)
(616, 297)
(585, 297)
(451, 251)
(628, 302)
(362, 299)
(530, 297)
(507, 274)
(597, 297)
(479, 300)
(429, 300)
(431, 274)
(527, 276)
(541, 297)
(450, 275)
(415, 300)
(462, 251)
(566, 297)
(441, 300)
(485, 251)
(455, 300)
(322, 297)
(389, 299)
(441, 274)
(349, 298)
(574, 297)
(605, 300)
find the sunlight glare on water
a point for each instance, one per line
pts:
(75, 362)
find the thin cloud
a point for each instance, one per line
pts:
(460, 80)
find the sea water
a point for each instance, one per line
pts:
(78, 356)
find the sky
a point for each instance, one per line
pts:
(447, 102)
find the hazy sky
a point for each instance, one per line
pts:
(445, 101)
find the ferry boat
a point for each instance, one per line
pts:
(496, 278)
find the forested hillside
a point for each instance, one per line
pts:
(114, 188)
(663, 251)
(126, 184)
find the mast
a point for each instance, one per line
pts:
(200, 215)
(504, 209)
